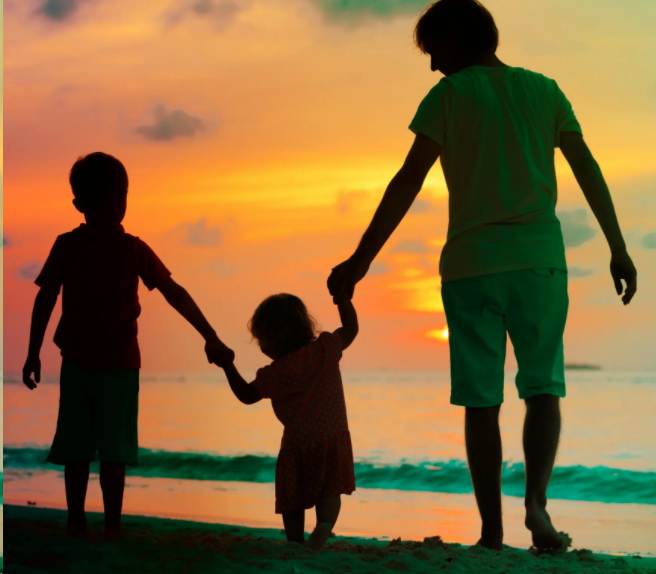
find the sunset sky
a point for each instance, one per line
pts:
(259, 136)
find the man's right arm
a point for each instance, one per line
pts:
(44, 303)
(589, 177)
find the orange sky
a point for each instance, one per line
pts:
(259, 137)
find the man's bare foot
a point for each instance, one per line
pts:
(112, 533)
(544, 535)
(491, 543)
(320, 535)
(77, 528)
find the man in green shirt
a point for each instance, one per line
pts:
(494, 128)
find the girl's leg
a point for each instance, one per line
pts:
(76, 479)
(294, 522)
(112, 483)
(327, 512)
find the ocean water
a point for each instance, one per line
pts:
(204, 455)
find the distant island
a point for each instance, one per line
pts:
(582, 367)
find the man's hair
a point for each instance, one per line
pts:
(97, 177)
(468, 21)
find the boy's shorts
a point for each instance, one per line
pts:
(97, 414)
(531, 306)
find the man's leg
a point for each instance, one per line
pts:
(483, 442)
(541, 434)
(294, 522)
(112, 483)
(76, 480)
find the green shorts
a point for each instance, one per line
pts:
(531, 306)
(97, 415)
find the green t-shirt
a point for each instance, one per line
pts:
(498, 127)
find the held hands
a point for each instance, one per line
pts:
(622, 269)
(218, 353)
(32, 366)
(342, 280)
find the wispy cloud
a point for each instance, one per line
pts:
(578, 272)
(416, 247)
(356, 11)
(349, 200)
(170, 125)
(30, 271)
(576, 230)
(221, 13)
(200, 233)
(378, 268)
(649, 240)
(220, 267)
(57, 10)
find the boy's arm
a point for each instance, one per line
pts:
(44, 303)
(589, 177)
(178, 297)
(349, 329)
(398, 197)
(246, 393)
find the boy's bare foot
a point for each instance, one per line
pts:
(545, 536)
(320, 535)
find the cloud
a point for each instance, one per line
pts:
(57, 10)
(30, 271)
(170, 125)
(221, 268)
(378, 268)
(410, 246)
(578, 272)
(198, 233)
(348, 200)
(649, 240)
(420, 206)
(221, 13)
(576, 230)
(359, 10)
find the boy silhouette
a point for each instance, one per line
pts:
(98, 266)
(494, 128)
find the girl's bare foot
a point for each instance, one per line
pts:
(77, 528)
(320, 535)
(491, 543)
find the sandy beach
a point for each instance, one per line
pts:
(34, 542)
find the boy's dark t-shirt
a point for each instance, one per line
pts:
(99, 267)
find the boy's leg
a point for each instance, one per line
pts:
(477, 344)
(76, 479)
(327, 511)
(536, 323)
(112, 483)
(483, 442)
(294, 522)
(541, 433)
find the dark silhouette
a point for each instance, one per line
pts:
(503, 265)
(315, 463)
(98, 266)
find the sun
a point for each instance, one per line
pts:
(439, 334)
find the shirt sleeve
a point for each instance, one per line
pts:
(271, 382)
(430, 118)
(151, 269)
(52, 272)
(565, 118)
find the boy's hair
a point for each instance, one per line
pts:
(283, 321)
(467, 20)
(97, 177)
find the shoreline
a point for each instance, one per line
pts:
(167, 545)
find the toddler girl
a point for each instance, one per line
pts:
(315, 463)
